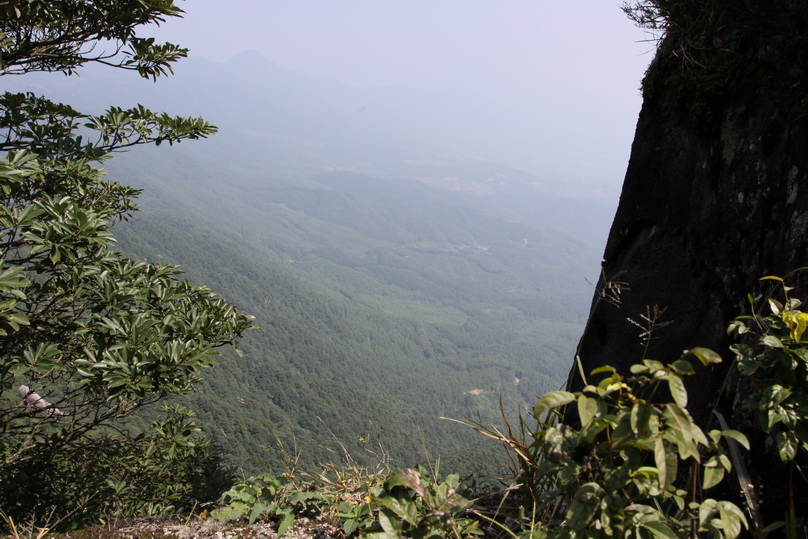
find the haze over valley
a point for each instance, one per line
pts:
(359, 268)
(408, 254)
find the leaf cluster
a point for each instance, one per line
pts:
(411, 504)
(625, 462)
(98, 335)
(88, 336)
(404, 503)
(61, 36)
(270, 497)
(165, 471)
(618, 468)
(773, 355)
(58, 133)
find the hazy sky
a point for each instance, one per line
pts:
(573, 65)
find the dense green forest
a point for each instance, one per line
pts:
(382, 307)
(389, 292)
(394, 281)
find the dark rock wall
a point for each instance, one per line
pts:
(704, 213)
(715, 197)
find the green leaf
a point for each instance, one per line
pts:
(399, 503)
(640, 418)
(660, 459)
(705, 355)
(774, 395)
(686, 433)
(288, 519)
(654, 366)
(389, 522)
(682, 366)
(774, 526)
(349, 525)
(382, 535)
(584, 505)
(552, 400)
(257, 510)
(732, 518)
(228, 513)
(772, 341)
(737, 436)
(737, 326)
(786, 445)
(587, 409)
(407, 478)
(713, 473)
(659, 529)
(678, 391)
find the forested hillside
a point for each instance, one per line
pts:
(374, 325)
(395, 277)
(401, 269)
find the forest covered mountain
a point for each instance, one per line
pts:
(400, 272)
(397, 274)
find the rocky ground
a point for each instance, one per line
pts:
(325, 526)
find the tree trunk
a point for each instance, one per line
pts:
(715, 197)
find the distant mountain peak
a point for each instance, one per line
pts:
(250, 56)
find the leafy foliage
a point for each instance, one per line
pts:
(403, 503)
(269, 497)
(168, 470)
(775, 359)
(89, 336)
(628, 460)
(410, 504)
(62, 36)
(616, 458)
(630, 465)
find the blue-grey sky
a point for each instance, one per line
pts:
(573, 66)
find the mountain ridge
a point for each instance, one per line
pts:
(386, 301)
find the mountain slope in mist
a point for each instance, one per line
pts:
(397, 275)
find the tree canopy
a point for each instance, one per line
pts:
(87, 336)
(62, 36)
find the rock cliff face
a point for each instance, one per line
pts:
(715, 195)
